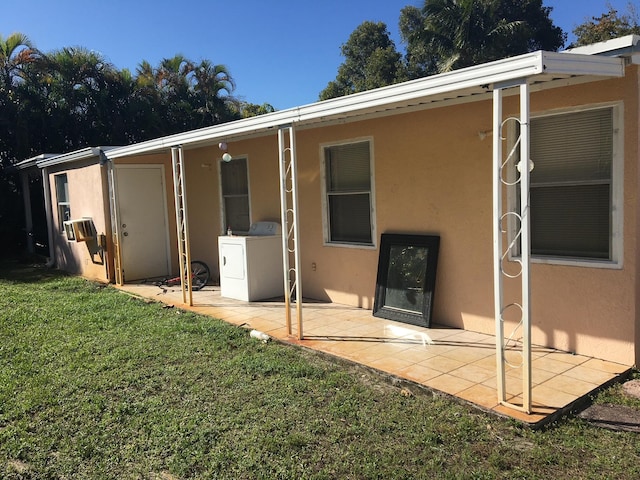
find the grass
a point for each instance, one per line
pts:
(96, 384)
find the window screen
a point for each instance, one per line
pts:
(62, 197)
(571, 184)
(348, 188)
(235, 195)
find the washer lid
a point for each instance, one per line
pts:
(264, 229)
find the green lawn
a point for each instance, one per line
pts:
(97, 384)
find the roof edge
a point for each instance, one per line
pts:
(484, 75)
(616, 47)
(77, 155)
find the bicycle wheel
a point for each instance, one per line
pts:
(199, 274)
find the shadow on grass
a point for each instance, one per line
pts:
(28, 271)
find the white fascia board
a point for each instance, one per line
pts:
(561, 63)
(33, 161)
(415, 91)
(613, 47)
(82, 154)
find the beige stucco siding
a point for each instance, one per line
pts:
(590, 310)
(433, 175)
(87, 187)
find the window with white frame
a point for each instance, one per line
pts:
(235, 195)
(573, 187)
(348, 191)
(62, 197)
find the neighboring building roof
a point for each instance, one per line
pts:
(540, 68)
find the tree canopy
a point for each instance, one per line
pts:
(71, 98)
(441, 36)
(610, 24)
(371, 61)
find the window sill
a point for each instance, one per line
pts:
(362, 246)
(573, 262)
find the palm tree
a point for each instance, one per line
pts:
(460, 33)
(212, 93)
(16, 52)
(80, 85)
(463, 32)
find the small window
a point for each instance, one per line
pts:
(235, 195)
(62, 197)
(572, 187)
(348, 192)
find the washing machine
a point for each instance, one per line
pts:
(251, 265)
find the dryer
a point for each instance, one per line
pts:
(251, 265)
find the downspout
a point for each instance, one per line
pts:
(48, 211)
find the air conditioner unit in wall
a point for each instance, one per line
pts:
(79, 230)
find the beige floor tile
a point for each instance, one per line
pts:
(347, 348)
(473, 373)
(538, 376)
(366, 330)
(572, 386)
(551, 365)
(416, 354)
(480, 395)
(468, 337)
(391, 365)
(590, 375)
(604, 366)
(438, 333)
(442, 364)
(536, 416)
(448, 384)
(419, 373)
(469, 354)
(512, 387)
(488, 362)
(438, 349)
(550, 397)
(567, 357)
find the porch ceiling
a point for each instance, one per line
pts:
(541, 69)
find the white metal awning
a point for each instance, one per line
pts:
(541, 69)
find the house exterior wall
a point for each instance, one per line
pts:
(88, 197)
(594, 311)
(433, 175)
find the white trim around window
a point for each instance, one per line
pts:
(615, 260)
(238, 197)
(62, 199)
(360, 191)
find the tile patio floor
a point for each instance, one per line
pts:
(454, 361)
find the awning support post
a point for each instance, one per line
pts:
(49, 213)
(512, 234)
(28, 214)
(115, 225)
(182, 224)
(290, 225)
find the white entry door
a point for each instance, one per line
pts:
(142, 218)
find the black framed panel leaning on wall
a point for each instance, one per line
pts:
(406, 280)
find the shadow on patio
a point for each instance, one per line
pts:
(456, 362)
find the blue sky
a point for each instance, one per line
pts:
(283, 52)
